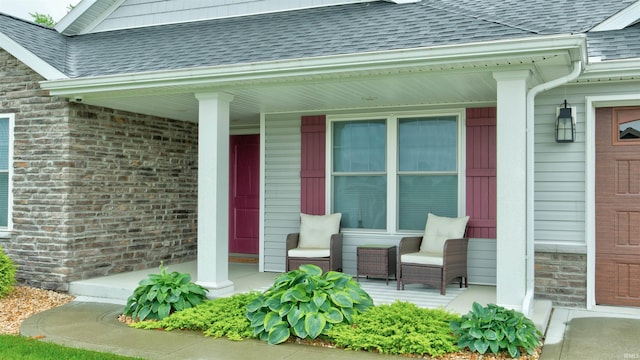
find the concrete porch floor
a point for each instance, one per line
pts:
(115, 289)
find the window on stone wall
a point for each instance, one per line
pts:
(6, 136)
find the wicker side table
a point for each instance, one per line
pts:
(376, 261)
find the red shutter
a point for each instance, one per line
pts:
(481, 172)
(312, 171)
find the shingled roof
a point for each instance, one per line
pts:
(333, 30)
(615, 44)
(42, 41)
(538, 16)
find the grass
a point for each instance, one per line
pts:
(13, 347)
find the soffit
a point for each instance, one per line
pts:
(416, 86)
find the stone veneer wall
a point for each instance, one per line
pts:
(561, 278)
(96, 191)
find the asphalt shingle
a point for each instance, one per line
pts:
(615, 44)
(540, 17)
(333, 30)
(46, 43)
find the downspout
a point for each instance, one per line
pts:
(527, 304)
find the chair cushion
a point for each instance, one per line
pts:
(309, 253)
(316, 230)
(423, 258)
(439, 229)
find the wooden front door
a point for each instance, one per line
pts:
(618, 206)
(244, 183)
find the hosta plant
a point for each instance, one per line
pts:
(162, 294)
(7, 274)
(497, 329)
(305, 303)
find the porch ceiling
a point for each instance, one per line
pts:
(319, 95)
(442, 83)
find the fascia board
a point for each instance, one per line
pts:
(67, 25)
(73, 15)
(98, 20)
(611, 69)
(30, 59)
(573, 45)
(621, 19)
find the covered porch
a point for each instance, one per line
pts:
(270, 98)
(246, 277)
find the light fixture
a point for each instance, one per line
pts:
(565, 125)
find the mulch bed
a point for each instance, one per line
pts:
(25, 302)
(461, 355)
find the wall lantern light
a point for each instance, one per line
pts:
(565, 125)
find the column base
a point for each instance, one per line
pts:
(217, 290)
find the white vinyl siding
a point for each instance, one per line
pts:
(559, 216)
(282, 186)
(137, 13)
(560, 169)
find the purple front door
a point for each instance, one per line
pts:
(244, 183)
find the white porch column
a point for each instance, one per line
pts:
(213, 193)
(511, 277)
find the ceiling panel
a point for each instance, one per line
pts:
(436, 84)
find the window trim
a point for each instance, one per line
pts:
(391, 167)
(616, 121)
(9, 227)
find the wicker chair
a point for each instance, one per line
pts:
(415, 265)
(326, 253)
(454, 265)
(326, 263)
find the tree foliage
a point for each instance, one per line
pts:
(46, 19)
(43, 19)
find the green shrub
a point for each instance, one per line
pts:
(306, 303)
(217, 318)
(497, 329)
(7, 274)
(160, 295)
(399, 328)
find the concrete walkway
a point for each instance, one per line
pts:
(95, 326)
(572, 334)
(91, 322)
(581, 334)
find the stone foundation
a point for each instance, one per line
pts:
(561, 278)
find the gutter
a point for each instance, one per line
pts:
(607, 70)
(527, 304)
(463, 55)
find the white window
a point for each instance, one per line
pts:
(6, 160)
(388, 172)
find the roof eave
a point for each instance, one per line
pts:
(611, 70)
(574, 46)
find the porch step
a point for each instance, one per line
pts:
(95, 292)
(542, 314)
(116, 289)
